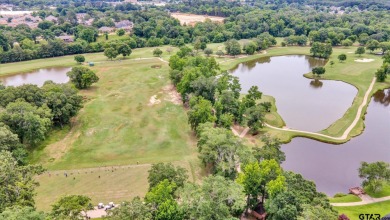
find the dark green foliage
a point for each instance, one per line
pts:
(135, 209)
(318, 70)
(233, 47)
(342, 57)
(157, 52)
(374, 175)
(201, 112)
(22, 213)
(82, 77)
(110, 53)
(321, 50)
(270, 150)
(120, 32)
(71, 207)
(161, 171)
(124, 49)
(360, 51)
(250, 48)
(79, 58)
(17, 183)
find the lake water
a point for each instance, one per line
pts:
(334, 168)
(305, 104)
(38, 77)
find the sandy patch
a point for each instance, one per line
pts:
(173, 95)
(154, 100)
(350, 52)
(192, 19)
(364, 60)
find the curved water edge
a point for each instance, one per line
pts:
(37, 77)
(304, 104)
(335, 169)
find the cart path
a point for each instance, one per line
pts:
(348, 130)
(366, 199)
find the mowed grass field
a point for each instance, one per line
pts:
(353, 212)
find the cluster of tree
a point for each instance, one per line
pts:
(212, 95)
(384, 70)
(321, 50)
(154, 27)
(374, 175)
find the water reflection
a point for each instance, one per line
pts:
(38, 77)
(334, 168)
(316, 83)
(311, 108)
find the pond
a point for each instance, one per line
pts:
(38, 77)
(305, 104)
(334, 168)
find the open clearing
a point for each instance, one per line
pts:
(353, 212)
(191, 19)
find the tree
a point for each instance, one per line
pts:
(79, 58)
(254, 118)
(372, 45)
(135, 209)
(201, 112)
(216, 198)
(82, 77)
(226, 120)
(124, 49)
(160, 193)
(270, 150)
(374, 175)
(157, 52)
(63, 100)
(110, 53)
(160, 171)
(360, 51)
(120, 32)
(331, 63)
(318, 70)
(220, 53)
(342, 57)
(197, 44)
(17, 183)
(220, 149)
(208, 51)
(321, 50)
(169, 50)
(251, 180)
(346, 42)
(22, 213)
(250, 48)
(317, 212)
(233, 47)
(382, 72)
(71, 207)
(88, 34)
(29, 122)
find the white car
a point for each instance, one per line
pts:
(100, 205)
(111, 204)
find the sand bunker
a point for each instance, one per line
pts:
(173, 95)
(350, 52)
(154, 100)
(364, 60)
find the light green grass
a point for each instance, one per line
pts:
(353, 212)
(384, 192)
(114, 185)
(346, 198)
(102, 37)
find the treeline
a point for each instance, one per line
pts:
(154, 27)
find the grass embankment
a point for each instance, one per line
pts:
(353, 212)
(384, 192)
(345, 198)
(358, 74)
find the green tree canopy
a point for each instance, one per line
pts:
(82, 77)
(161, 171)
(79, 58)
(22, 213)
(374, 175)
(135, 209)
(71, 207)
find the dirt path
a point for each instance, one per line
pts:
(366, 199)
(348, 130)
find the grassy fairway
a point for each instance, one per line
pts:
(346, 198)
(120, 125)
(353, 212)
(115, 184)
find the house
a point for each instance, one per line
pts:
(51, 18)
(66, 38)
(125, 25)
(106, 29)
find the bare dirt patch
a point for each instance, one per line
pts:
(192, 19)
(364, 60)
(173, 95)
(154, 100)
